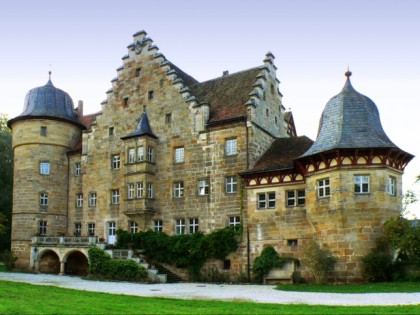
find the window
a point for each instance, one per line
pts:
(230, 148)
(267, 112)
(131, 155)
(158, 225)
(116, 162)
(130, 191)
(324, 188)
(138, 72)
(235, 221)
(203, 187)
(292, 242)
(42, 228)
(44, 168)
(77, 169)
(193, 225)
(276, 120)
(226, 264)
(112, 228)
(115, 196)
(266, 200)
(92, 199)
(43, 131)
(179, 155)
(77, 229)
(43, 199)
(361, 184)
(125, 101)
(79, 200)
(134, 227)
(150, 153)
(91, 229)
(231, 183)
(150, 94)
(178, 189)
(140, 190)
(149, 190)
(168, 119)
(140, 154)
(295, 198)
(111, 131)
(179, 226)
(392, 183)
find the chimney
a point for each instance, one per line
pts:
(225, 73)
(80, 109)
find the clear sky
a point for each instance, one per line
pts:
(82, 42)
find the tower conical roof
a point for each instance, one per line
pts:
(350, 120)
(143, 128)
(48, 102)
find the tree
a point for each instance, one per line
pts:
(319, 261)
(6, 182)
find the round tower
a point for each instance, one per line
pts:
(42, 134)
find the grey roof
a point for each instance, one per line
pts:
(143, 128)
(48, 102)
(350, 120)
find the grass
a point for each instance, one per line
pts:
(21, 298)
(386, 287)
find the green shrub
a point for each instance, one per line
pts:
(377, 267)
(266, 261)
(320, 262)
(7, 259)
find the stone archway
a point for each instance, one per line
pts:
(76, 264)
(49, 262)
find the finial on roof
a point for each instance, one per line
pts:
(348, 73)
(49, 75)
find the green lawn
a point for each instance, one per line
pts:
(388, 287)
(20, 298)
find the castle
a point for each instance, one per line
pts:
(172, 154)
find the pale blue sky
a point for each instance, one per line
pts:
(313, 41)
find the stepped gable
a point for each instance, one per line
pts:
(143, 128)
(188, 80)
(281, 154)
(48, 102)
(227, 95)
(350, 120)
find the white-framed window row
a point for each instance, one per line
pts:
(179, 226)
(193, 225)
(295, 198)
(130, 191)
(77, 229)
(91, 229)
(115, 196)
(79, 200)
(231, 147)
(392, 186)
(266, 200)
(43, 199)
(179, 155)
(116, 162)
(231, 184)
(44, 168)
(42, 228)
(203, 187)
(361, 184)
(93, 199)
(324, 189)
(178, 190)
(134, 227)
(158, 225)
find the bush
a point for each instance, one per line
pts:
(104, 267)
(319, 262)
(266, 261)
(377, 267)
(7, 259)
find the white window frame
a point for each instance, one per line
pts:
(77, 169)
(150, 190)
(130, 191)
(44, 168)
(179, 226)
(361, 184)
(234, 221)
(231, 146)
(193, 225)
(295, 198)
(203, 187)
(112, 228)
(324, 188)
(150, 154)
(116, 162)
(131, 155)
(266, 200)
(77, 229)
(79, 201)
(91, 229)
(43, 199)
(115, 196)
(392, 185)
(178, 190)
(291, 198)
(140, 154)
(42, 227)
(93, 198)
(134, 227)
(231, 184)
(158, 225)
(140, 190)
(179, 155)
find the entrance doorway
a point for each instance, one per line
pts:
(112, 231)
(49, 262)
(76, 264)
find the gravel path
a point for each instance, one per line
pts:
(226, 292)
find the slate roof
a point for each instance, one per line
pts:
(281, 154)
(226, 95)
(48, 102)
(350, 120)
(143, 128)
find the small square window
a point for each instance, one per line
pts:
(203, 187)
(111, 131)
(150, 94)
(179, 155)
(158, 225)
(134, 227)
(44, 168)
(193, 225)
(115, 197)
(361, 184)
(93, 199)
(231, 147)
(178, 190)
(324, 188)
(179, 226)
(266, 200)
(235, 221)
(231, 183)
(43, 131)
